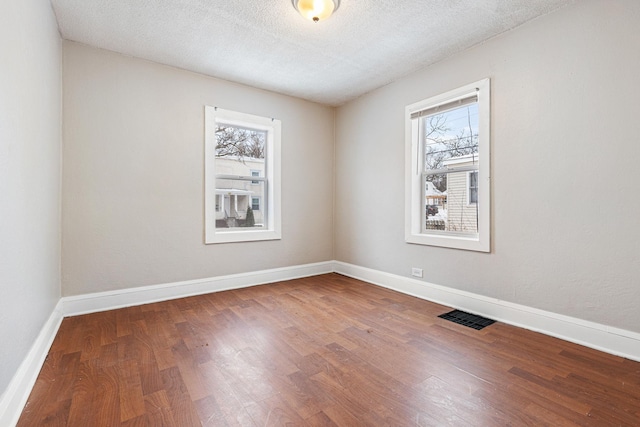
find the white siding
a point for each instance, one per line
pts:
(461, 216)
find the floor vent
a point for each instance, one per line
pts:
(467, 319)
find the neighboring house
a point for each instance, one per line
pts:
(434, 196)
(462, 195)
(233, 196)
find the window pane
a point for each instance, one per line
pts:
(237, 202)
(448, 210)
(450, 137)
(451, 141)
(255, 173)
(473, 195)
(240, 143)
(239, 152)
(473, 187)
(255, 203)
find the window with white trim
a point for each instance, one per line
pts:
(447, 148)
(255, 173)
(255, 203)
(472, 184)
(242, 172)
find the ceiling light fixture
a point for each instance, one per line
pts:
(316, 10)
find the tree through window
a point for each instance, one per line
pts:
(447, 144)
(451, 144)
(242, 169)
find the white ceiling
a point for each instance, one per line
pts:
(267, 44)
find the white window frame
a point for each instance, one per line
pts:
(414, 163)
(272, 178)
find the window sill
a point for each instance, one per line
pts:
(233, 236)
(471, 243)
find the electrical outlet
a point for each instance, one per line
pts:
(416, 272)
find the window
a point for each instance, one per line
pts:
(255, 173)
(447, 166)
(255, 203)
(472, 179)
(242, 177)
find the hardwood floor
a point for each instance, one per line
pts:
(321, 351)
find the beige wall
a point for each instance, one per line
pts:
(564, 127)
(133, 200)
(30, 123)
(564, 110)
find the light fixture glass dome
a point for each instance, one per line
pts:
(316, 10)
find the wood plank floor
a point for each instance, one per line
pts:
(321, 351)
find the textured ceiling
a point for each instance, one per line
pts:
(267, 44)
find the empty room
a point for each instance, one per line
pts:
(319, 213)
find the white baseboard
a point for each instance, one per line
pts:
(611, 340)
(15, 396)
(90, 303)
(13, 400)
(601, 337)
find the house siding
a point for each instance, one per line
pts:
(461, 216)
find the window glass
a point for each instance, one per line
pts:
(242, 177)
(473, 187)
(255, 203)
(450, 143)
(255, 173)
(447, 169)
(239, 152)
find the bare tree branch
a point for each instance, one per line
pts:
(441, 146)
(241, 143)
